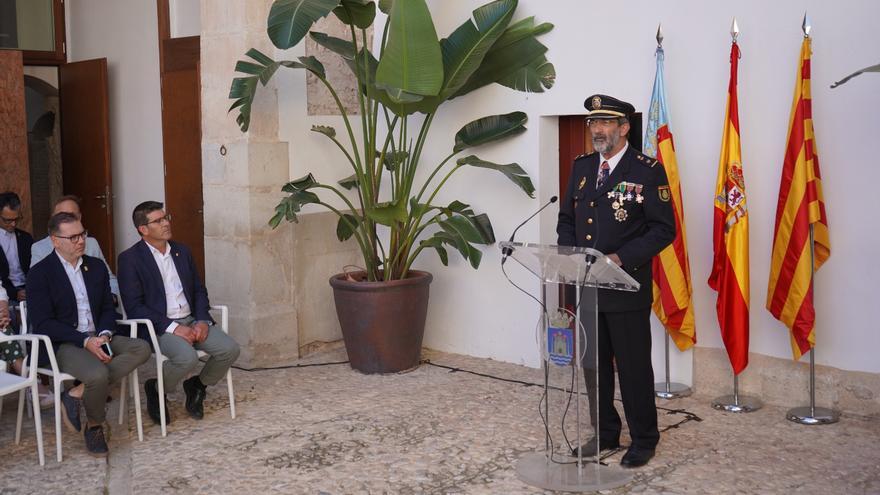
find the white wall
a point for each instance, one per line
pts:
(185, 18)
(125, 33)
(476, 312)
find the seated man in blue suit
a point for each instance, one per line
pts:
(69, 300)
(158, 281)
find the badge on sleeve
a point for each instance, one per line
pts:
(663, 192)
(582, 182)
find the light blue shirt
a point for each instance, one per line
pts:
(44, 247)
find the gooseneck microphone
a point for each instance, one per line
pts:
(508, 251)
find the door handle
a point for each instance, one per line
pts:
(101, 197)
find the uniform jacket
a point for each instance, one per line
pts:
(587, 219)
(52, 304)
(24, 241)
(143, 292)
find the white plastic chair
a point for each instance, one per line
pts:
(10, 383)
(58, 379)
(160, 359)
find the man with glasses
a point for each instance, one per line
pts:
(69, 300)
(159, 281)
(42, 248)
(16, 245)
(618, 202)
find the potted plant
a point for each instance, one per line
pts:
(394, 217)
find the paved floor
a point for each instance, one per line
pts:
(329, 429)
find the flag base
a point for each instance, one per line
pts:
(538, 470)
(807, 415)
(737, 403)
(673, 390)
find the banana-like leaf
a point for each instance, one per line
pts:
(244, 89)
(462, 233)
(412, 63)
(357, 12)
(301, 184)
(488, 129)
(388, 213)
(393, 159)
(511, 170)
(501, 63)
(291, 205)
(437, 243)
(349, 182)
(346, 226)
(521, 29)
(533, 78)
(385, 6)
(290, 20)
(464, 49)
(484, 225)
(326, 130)
(339, 46)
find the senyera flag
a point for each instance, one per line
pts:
(799, 210)
(730, 266)
(673, 302)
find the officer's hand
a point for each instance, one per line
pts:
(616, 259)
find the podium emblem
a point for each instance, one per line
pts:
(560, 345)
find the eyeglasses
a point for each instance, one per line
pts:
(9, 221)
(601, 122)
(166, 218)
(75, 238)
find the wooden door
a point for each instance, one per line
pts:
(14, 168)
(182, 143)
(85, 147)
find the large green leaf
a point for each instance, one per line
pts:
(488, 129)
(244, 89)
(462, 233)
(339, 46)
(349, 182)
(533, 78)
(511, 170)
(359, 13)
(412, 63)
(290, 20)
(501, 63)
(437, 243)
(301, 184)
(464, 49)
(388, 213)
(385, 6)
(291, 205)
(346, 226)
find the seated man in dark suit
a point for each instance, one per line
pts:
(69, 300)
(158, 281)
(16, 245)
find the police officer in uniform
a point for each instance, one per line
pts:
(618, 201)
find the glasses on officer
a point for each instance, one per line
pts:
(165, 218)
(602, 122)
(75, 238)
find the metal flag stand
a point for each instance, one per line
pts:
(812, 415)
(737, 403)
(668, 389)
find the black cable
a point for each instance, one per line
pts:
(290, 366)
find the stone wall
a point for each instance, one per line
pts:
(14, 168)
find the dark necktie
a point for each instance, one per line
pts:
(604, 172)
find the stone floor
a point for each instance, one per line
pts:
(329, 429)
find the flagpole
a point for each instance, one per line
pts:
(812, 415)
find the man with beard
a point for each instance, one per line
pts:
(618, 201)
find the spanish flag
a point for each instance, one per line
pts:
(799, 211)
(730, 267)
(673, 303)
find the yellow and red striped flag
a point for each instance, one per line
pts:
(730, 266)
(800, 209)
(673, 303)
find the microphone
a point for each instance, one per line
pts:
(508, 251)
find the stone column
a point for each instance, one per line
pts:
(248, 266)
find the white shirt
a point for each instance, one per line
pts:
(44, 247)
(614, 160)
(3, 296)
(9, 243)
(177, 306)
(86, 323)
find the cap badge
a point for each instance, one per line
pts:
(596, 102)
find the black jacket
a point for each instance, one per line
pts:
(587, 218)
(24, 241)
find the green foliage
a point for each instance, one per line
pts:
(414, 73)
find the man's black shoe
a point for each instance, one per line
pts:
(151, 388)
(72, 415)
(589, 449)
(95, 442)
(636, 457)
(195, 397)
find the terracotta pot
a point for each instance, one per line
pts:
(382, 322)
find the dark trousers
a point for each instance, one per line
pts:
(623, 338)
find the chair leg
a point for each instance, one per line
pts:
(58, 386)
(122, 390)
(136, 393)
(38, 422)
(161, 382)
(20, 414)
(231, 393)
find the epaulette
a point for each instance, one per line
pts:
(646, 160)
(585, 155)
